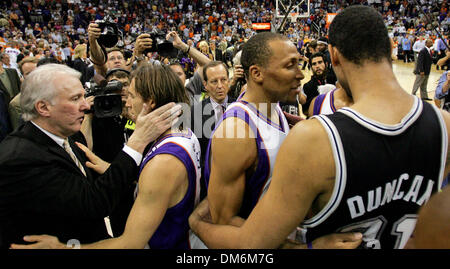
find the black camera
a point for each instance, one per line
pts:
(109, 32)
(107, 101)
(161, 45)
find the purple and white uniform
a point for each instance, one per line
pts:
(173, 232)
(324, 104)
(268, 138)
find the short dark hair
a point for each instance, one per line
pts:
(256, 50)
(359, 33)
(315, 55)
(211, 65)
(47, 60)
(159, 83)
(118, 73)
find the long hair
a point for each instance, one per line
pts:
(160, 84)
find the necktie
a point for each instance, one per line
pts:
(72, 155)
(220, 110)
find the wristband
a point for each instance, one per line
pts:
(309, 244)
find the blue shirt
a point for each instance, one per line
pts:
(439, 94)
(406, 44)
(440, 46)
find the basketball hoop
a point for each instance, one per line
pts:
(293, 16)
(300, 9)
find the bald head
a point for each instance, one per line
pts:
(433, 224)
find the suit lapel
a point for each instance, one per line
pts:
(12, 79)
(5, 92)
(31, 132)
(205, 116)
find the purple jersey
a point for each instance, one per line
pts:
(173, 231)
(268, 138)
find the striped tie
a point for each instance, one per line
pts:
(72, 155)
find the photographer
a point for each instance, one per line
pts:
(106, 137)
(106, 59)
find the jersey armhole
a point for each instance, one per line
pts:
(340, 177)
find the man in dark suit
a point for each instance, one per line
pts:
(206, 114)
(9, 82)
(9, 88)
(422, 70)
(51, 185)
(5, 126)
(218, 54)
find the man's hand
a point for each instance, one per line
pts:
(93, 32)
(143, 42)
(95, 162)
(96, 54)
(149, 126)
(238, 74)
(40, 242)
(200, 213)
(338, 241)
(176, 40)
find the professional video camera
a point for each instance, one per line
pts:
(161, 45)
(109, 32)
(107, 101)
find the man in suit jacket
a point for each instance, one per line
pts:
(206, 114)
(9, 82)
(9, 87)
(26, 66)
(217, 52)
(47, 187)
(5, 126)
(422, 70)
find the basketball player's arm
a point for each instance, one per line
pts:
(304, 170)
(311, 107)
(157, 187)
(230, 158)
(446, 116)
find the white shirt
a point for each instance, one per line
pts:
(137, 157)
(218, 108)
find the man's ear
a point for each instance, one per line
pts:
(334, 55)
(152, 104)
(256, 74)
(43, 108)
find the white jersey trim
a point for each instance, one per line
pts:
(444, 146)
(341, 174)
(387, 129)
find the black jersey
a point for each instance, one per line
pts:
(384, 174)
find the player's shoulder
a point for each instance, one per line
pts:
(308, 134)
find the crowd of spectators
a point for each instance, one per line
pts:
(54, 28)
